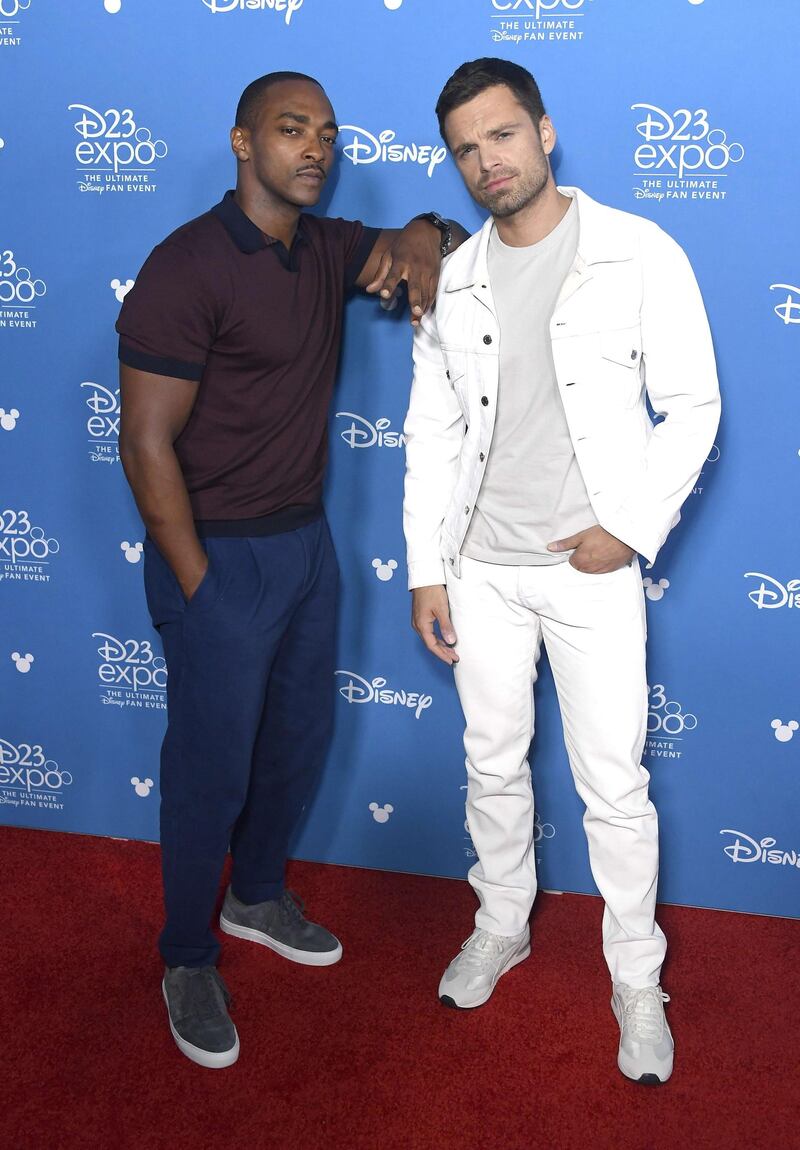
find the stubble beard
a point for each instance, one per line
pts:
(503, 204)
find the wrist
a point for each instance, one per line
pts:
(444, 228)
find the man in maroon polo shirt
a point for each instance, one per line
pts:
(228, 346)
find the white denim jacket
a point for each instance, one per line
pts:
(629, 325)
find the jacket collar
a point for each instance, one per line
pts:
(601, 239)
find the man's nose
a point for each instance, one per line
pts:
(488, 158)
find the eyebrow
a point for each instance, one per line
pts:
(299, 118)
(491, 133)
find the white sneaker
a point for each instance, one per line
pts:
(472, 975)
(645, 1044)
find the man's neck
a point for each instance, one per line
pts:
(274, 218)
(536, 220)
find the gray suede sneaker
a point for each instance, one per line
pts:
(645, 1045)
(281, 925)
(197, 1003)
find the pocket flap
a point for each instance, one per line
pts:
(623, 347)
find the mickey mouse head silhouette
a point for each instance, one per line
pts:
(133, 551)
(655, 591)
(381, 814)
(23, 663)
(384, 571)
(121, 289)
(784, 731)
(8, 419)
(142, 786)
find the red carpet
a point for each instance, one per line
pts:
(361, 1055)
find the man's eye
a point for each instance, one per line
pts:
(329, 140)
(290, 131)
(465, 152)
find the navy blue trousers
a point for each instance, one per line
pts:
(250, 709)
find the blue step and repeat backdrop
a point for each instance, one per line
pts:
(114, 121)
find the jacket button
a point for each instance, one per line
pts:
(487, 339)
(466, 510)
(481, 457)
(452, 562)
(447, 373)
(484, 401)
(634, 353)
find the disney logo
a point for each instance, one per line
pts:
(789, 310)
(368, 149)
(358, 690)
(772, 594)
(288, 7)
(747, 850)
(362, 433)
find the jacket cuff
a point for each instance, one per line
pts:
(644, 543)
(426, 573)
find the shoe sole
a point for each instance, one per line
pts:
(446, 999)
(649, 1078)
(210, 1059)
(303, 957)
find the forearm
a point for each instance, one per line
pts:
(159, 489)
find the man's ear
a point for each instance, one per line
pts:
(240, 143)
(547, 134)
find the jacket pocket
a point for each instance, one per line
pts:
(621, 352)
(456, 372)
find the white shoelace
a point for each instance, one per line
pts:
(480, 950)
(644, 1013)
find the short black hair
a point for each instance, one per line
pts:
(250, 101)
(476, 76)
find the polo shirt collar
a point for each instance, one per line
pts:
(247, 236)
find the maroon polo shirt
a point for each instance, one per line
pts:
(259, 328)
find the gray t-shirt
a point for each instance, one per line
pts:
(532, 492)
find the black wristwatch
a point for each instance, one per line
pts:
(444, 228)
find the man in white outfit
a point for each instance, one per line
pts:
(535, 479)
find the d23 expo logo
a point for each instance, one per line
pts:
(667, 724)
(114, 153)
(683, 157)
(26, 551)
(20, 292)
(10, 23)
(28, 778)
(131, 673)
(102, 425)
(522, 21)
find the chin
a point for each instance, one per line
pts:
(307, 198)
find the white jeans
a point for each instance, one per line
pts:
(594, 631)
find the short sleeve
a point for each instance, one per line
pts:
(167, 322)
(355, 241)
